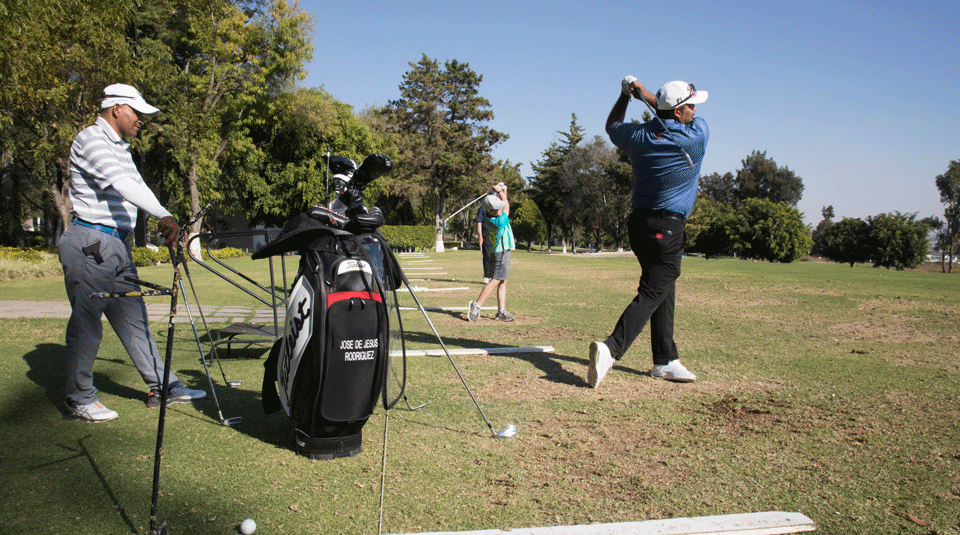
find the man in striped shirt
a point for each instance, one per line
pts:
(106, 191)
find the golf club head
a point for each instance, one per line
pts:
(232, 422)
(161, 529)
(233, 384)
(507, 432)
(411, 407)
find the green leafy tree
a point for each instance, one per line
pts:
(705, 211)
(55, 60)
(527, 222)
(772, 231)
(547, 188)
(599, 187)
(215, 67)
(760, 177)
(716, 226)
(721, 188)
(948, 236)
(613, 195)
(824, 224)
(897, 241)
(846, 241)
(308, 124)
(439, 128)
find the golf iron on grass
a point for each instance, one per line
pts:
(508, 431)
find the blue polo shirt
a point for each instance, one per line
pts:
(662, 180)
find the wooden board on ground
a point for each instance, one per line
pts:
(482, 351)
(768, 523)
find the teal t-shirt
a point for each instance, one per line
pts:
(497, 232)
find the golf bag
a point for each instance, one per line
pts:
(333, 363)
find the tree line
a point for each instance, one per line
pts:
(236, 130)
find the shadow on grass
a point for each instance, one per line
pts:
(46, 369)
(81, 451)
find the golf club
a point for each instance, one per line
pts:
(506, 432)
(637, 95)
(230, 422)
(231, 384)
(460, 210)
(161, 528)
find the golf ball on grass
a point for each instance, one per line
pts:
(248, 526)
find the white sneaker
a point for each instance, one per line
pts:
(673, 371)
(600, 363)
(92, 412)
(473, 311)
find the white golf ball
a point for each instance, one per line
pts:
(248, 526)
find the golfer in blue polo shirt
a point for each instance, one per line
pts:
(665, 155)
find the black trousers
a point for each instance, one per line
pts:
(657, 239)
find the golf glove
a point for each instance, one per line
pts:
(169, 229)
(625, 85)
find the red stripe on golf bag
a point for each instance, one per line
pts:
(340, 296)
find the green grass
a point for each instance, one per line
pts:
(823, 389)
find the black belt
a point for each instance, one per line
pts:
(116, 233)
(662, 214)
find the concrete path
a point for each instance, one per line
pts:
(156, 311)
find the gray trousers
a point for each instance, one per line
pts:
(102, 268)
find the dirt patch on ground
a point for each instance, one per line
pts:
(902, 321)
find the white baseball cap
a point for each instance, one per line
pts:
(492, 202)
(126, 94)
(677, 93)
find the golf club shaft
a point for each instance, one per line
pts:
(383, 469)
(168, 359)
(203, 358)
(444, 346)
(213, 349)
(462, 209)
(665, 130)
(176, 255)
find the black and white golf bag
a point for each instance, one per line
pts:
(333, 363)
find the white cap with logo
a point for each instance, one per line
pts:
(677, 93)
(126, 94)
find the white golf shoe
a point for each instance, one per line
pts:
(91, 412)
(600, 363)
(673, 371)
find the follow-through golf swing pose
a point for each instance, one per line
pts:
(665, 155)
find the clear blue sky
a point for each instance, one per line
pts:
(859, 99)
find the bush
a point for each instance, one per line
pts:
(26, 263)
(144, 256)
(409, 237)
(223, 253)
(20, 253)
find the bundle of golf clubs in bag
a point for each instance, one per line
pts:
(332, 364)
